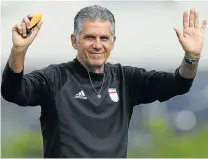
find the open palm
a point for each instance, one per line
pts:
(192, 38)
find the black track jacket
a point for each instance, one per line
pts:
(74, 122)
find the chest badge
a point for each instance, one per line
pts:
(113, 94)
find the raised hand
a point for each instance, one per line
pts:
(19, 35)
(192, 38)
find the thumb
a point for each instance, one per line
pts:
(179, 34)
(36, 30)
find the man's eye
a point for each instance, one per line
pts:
(104, 38)
(89, 37)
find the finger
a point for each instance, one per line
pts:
(26, 20)
(204, 24)
(39, 24)
(17, 28)
(30, 16)
(191, 18)
(179, 34)
(185, 20)
(24, 30)
(36, 29)
(196, 20)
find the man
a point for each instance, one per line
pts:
(86, 104)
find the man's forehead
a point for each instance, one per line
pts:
(97, 27)
(100, 22)
(96, 34)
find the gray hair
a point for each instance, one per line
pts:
(92, 13)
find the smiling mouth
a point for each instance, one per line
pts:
(94, 53)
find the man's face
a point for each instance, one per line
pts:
(95, 43)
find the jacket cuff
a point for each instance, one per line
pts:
(178, 75)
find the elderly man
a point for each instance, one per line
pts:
(86, 104)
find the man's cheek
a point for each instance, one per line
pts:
(107, 54)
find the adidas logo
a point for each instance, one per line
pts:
(80, 95)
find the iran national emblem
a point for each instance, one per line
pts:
(113, 94)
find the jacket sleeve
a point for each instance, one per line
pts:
(149, 86)
(29, 89)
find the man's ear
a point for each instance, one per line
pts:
(74, 41)
(114, 39)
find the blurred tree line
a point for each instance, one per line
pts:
(164, 144)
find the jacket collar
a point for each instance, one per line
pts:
(82, 72)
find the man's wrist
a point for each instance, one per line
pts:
(191, 60)
(19, 50)
(187, 70)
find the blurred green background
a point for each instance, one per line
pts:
(167, 145)
(164, 144)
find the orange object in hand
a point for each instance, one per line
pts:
(33, 22)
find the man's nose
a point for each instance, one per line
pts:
(97, 45)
